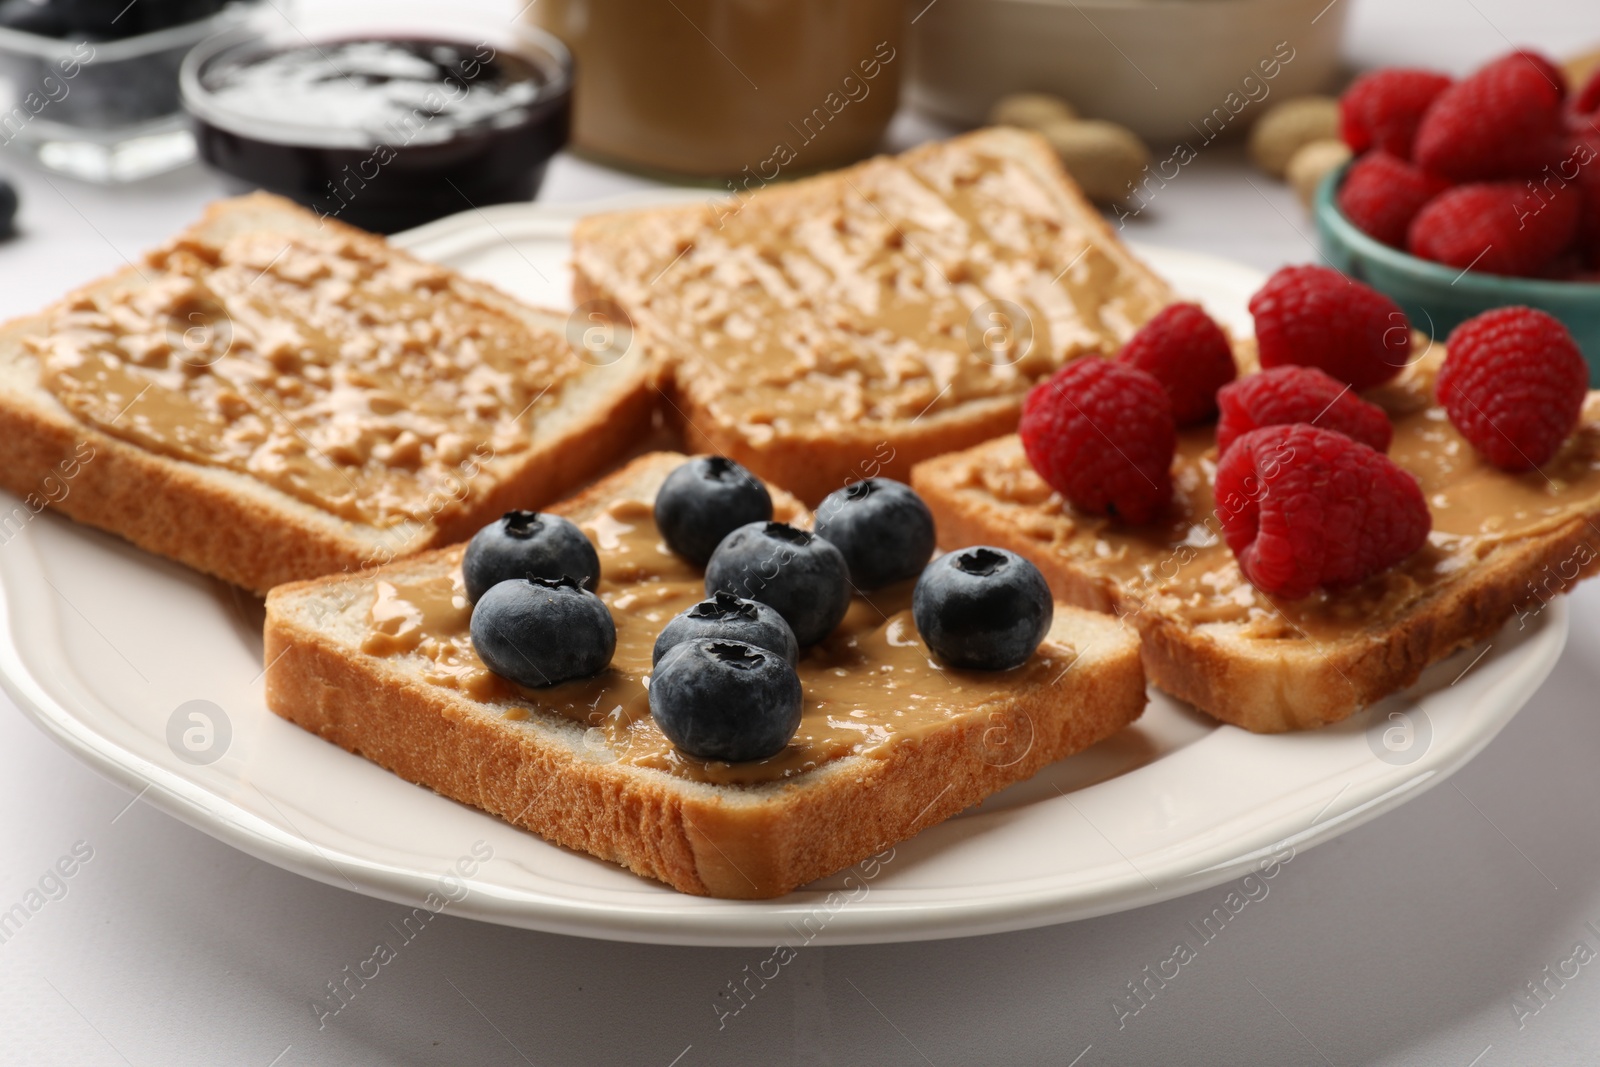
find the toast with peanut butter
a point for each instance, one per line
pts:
(859, 321)
(271, 396)
(889, 742)
(1501, 546)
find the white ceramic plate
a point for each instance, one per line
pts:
(106, 647)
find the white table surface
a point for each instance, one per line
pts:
(1402, 942)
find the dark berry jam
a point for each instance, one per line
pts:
(382, 133)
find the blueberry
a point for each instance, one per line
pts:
(801, 575)
(542, 631)
(725, 700)
(728, 618)
(883, 528)
(982, 608)
(705, 500)
(526, 544)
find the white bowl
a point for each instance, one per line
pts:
(1164, 68)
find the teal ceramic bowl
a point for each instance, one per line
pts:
(1436, 298)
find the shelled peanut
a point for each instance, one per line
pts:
(1287, 127)
(1106, 160)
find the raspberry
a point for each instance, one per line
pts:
(1303, 507)
(1381, 194)
(1584, 158)
(1498, 123)
(1316, 317)
(1514, 383)
(1547, 68)
(1101, 434)
(1286, 395)
(1189, 355)
(1496, 227)
(1383, 109)
(1587, 102)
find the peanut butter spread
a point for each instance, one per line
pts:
(869, 686)
(1183, 565)
(357, 380)
(900, 288)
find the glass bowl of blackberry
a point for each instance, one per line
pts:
(89, 88)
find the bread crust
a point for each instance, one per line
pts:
(1322, 685)
(700, 843)
(718, 840)
(228, 525)
(813, 469)
(1272, 686)
(163, 505)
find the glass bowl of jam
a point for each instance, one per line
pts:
(384, 124)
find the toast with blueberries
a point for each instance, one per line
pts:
(272, 396)
(856, 322)
(1294, 549)
(683, 671)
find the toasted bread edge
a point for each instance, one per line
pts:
(225, 524)
(1282, 686)
(812, 465)
(724, 841)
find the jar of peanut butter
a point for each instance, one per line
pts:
(730, 88)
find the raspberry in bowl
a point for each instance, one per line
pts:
(1471, 194)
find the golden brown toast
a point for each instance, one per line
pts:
(272, 396)
(873, 762)
(1501, 544)
(854, 323)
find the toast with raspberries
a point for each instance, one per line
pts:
(872, 762)
(1501, 544)
(272, 396)
(856, 322)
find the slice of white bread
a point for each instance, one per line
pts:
(1272, 666)
(226, 522)
(545, 771)
(870, 297)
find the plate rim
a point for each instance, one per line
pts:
(741, 923)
